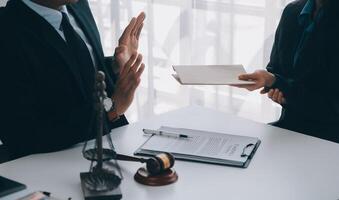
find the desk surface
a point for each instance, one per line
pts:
(287, 165)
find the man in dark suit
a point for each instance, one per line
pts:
(303, 69)
(49, 53)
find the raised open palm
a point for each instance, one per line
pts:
(129, 39)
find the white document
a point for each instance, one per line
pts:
(202, 146)
(209, 74)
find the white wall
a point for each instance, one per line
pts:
(3, 2)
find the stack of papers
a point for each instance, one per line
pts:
(209, 74)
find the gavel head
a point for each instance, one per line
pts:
(160, 163)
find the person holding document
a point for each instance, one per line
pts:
(303, 69)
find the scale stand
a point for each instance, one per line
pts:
(103, 180)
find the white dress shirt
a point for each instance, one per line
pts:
(54, 18)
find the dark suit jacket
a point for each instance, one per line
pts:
(311, 85)
(44, 104)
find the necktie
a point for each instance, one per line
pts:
(80, 53)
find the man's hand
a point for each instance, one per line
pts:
(276, 96)
(129, 39)
(261, 78)
(127, 83)
(130, 65)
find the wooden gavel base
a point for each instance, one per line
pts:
(142, 176)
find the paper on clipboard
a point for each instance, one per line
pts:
(209, 74)
(203, 146)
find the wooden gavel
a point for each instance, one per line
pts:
(154, 165)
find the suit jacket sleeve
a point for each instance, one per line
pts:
(330, 85)
(291, 88)
(298, 92)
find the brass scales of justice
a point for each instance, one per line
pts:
(104, 177)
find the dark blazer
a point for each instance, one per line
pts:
(44, 104)
(311, 84)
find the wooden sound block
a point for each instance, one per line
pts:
(142, 176)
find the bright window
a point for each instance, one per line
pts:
(195, 32)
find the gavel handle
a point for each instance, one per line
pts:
(129, 158)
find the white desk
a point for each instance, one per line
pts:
(287, 165)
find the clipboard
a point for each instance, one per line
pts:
(203, 146)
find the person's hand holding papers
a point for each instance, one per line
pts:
(261, 79)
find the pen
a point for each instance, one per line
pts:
(163, 133)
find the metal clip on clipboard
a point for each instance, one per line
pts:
(243, 154)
